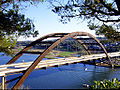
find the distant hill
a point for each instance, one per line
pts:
(71, 44)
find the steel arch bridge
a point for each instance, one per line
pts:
(62, 36)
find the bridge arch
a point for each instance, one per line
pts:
(39, 41)
(46, 51)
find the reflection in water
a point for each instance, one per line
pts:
(71, 76)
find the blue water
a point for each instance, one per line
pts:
(71, 76)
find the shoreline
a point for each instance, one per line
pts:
(54, 54)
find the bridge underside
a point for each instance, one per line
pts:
(78, 36)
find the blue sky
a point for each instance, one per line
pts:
(47, 22)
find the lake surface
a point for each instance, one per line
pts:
(71, 76)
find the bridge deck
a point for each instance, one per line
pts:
(20, 67)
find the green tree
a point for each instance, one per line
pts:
(14, 24)
(101, 15)
(107, 84)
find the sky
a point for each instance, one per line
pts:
(47, 22)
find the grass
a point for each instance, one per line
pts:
(51, 55)
(55, 54)
(66, 54)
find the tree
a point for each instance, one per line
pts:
(107, 84)
(14, 24)
(101, 15)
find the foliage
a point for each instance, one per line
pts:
(109, 32)
(14, 24)
(6, 44)
(102, 14)
(107, 84)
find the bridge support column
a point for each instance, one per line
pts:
(112, 66)
(3, 82)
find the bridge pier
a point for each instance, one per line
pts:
(112, 66)
(3, 81)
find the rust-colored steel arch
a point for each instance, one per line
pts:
(41, 39)
(85, 47)
(33, 43)
(34, 64)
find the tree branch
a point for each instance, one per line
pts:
(118, 20)
(118, 4)
(2, 2)
(99, 11)
(109, 8)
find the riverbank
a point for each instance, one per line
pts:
(51, 55)
(55, 54)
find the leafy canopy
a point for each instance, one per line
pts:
(107, 84)
(101, 15)
(13, 24)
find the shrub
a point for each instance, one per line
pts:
(107, 84)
